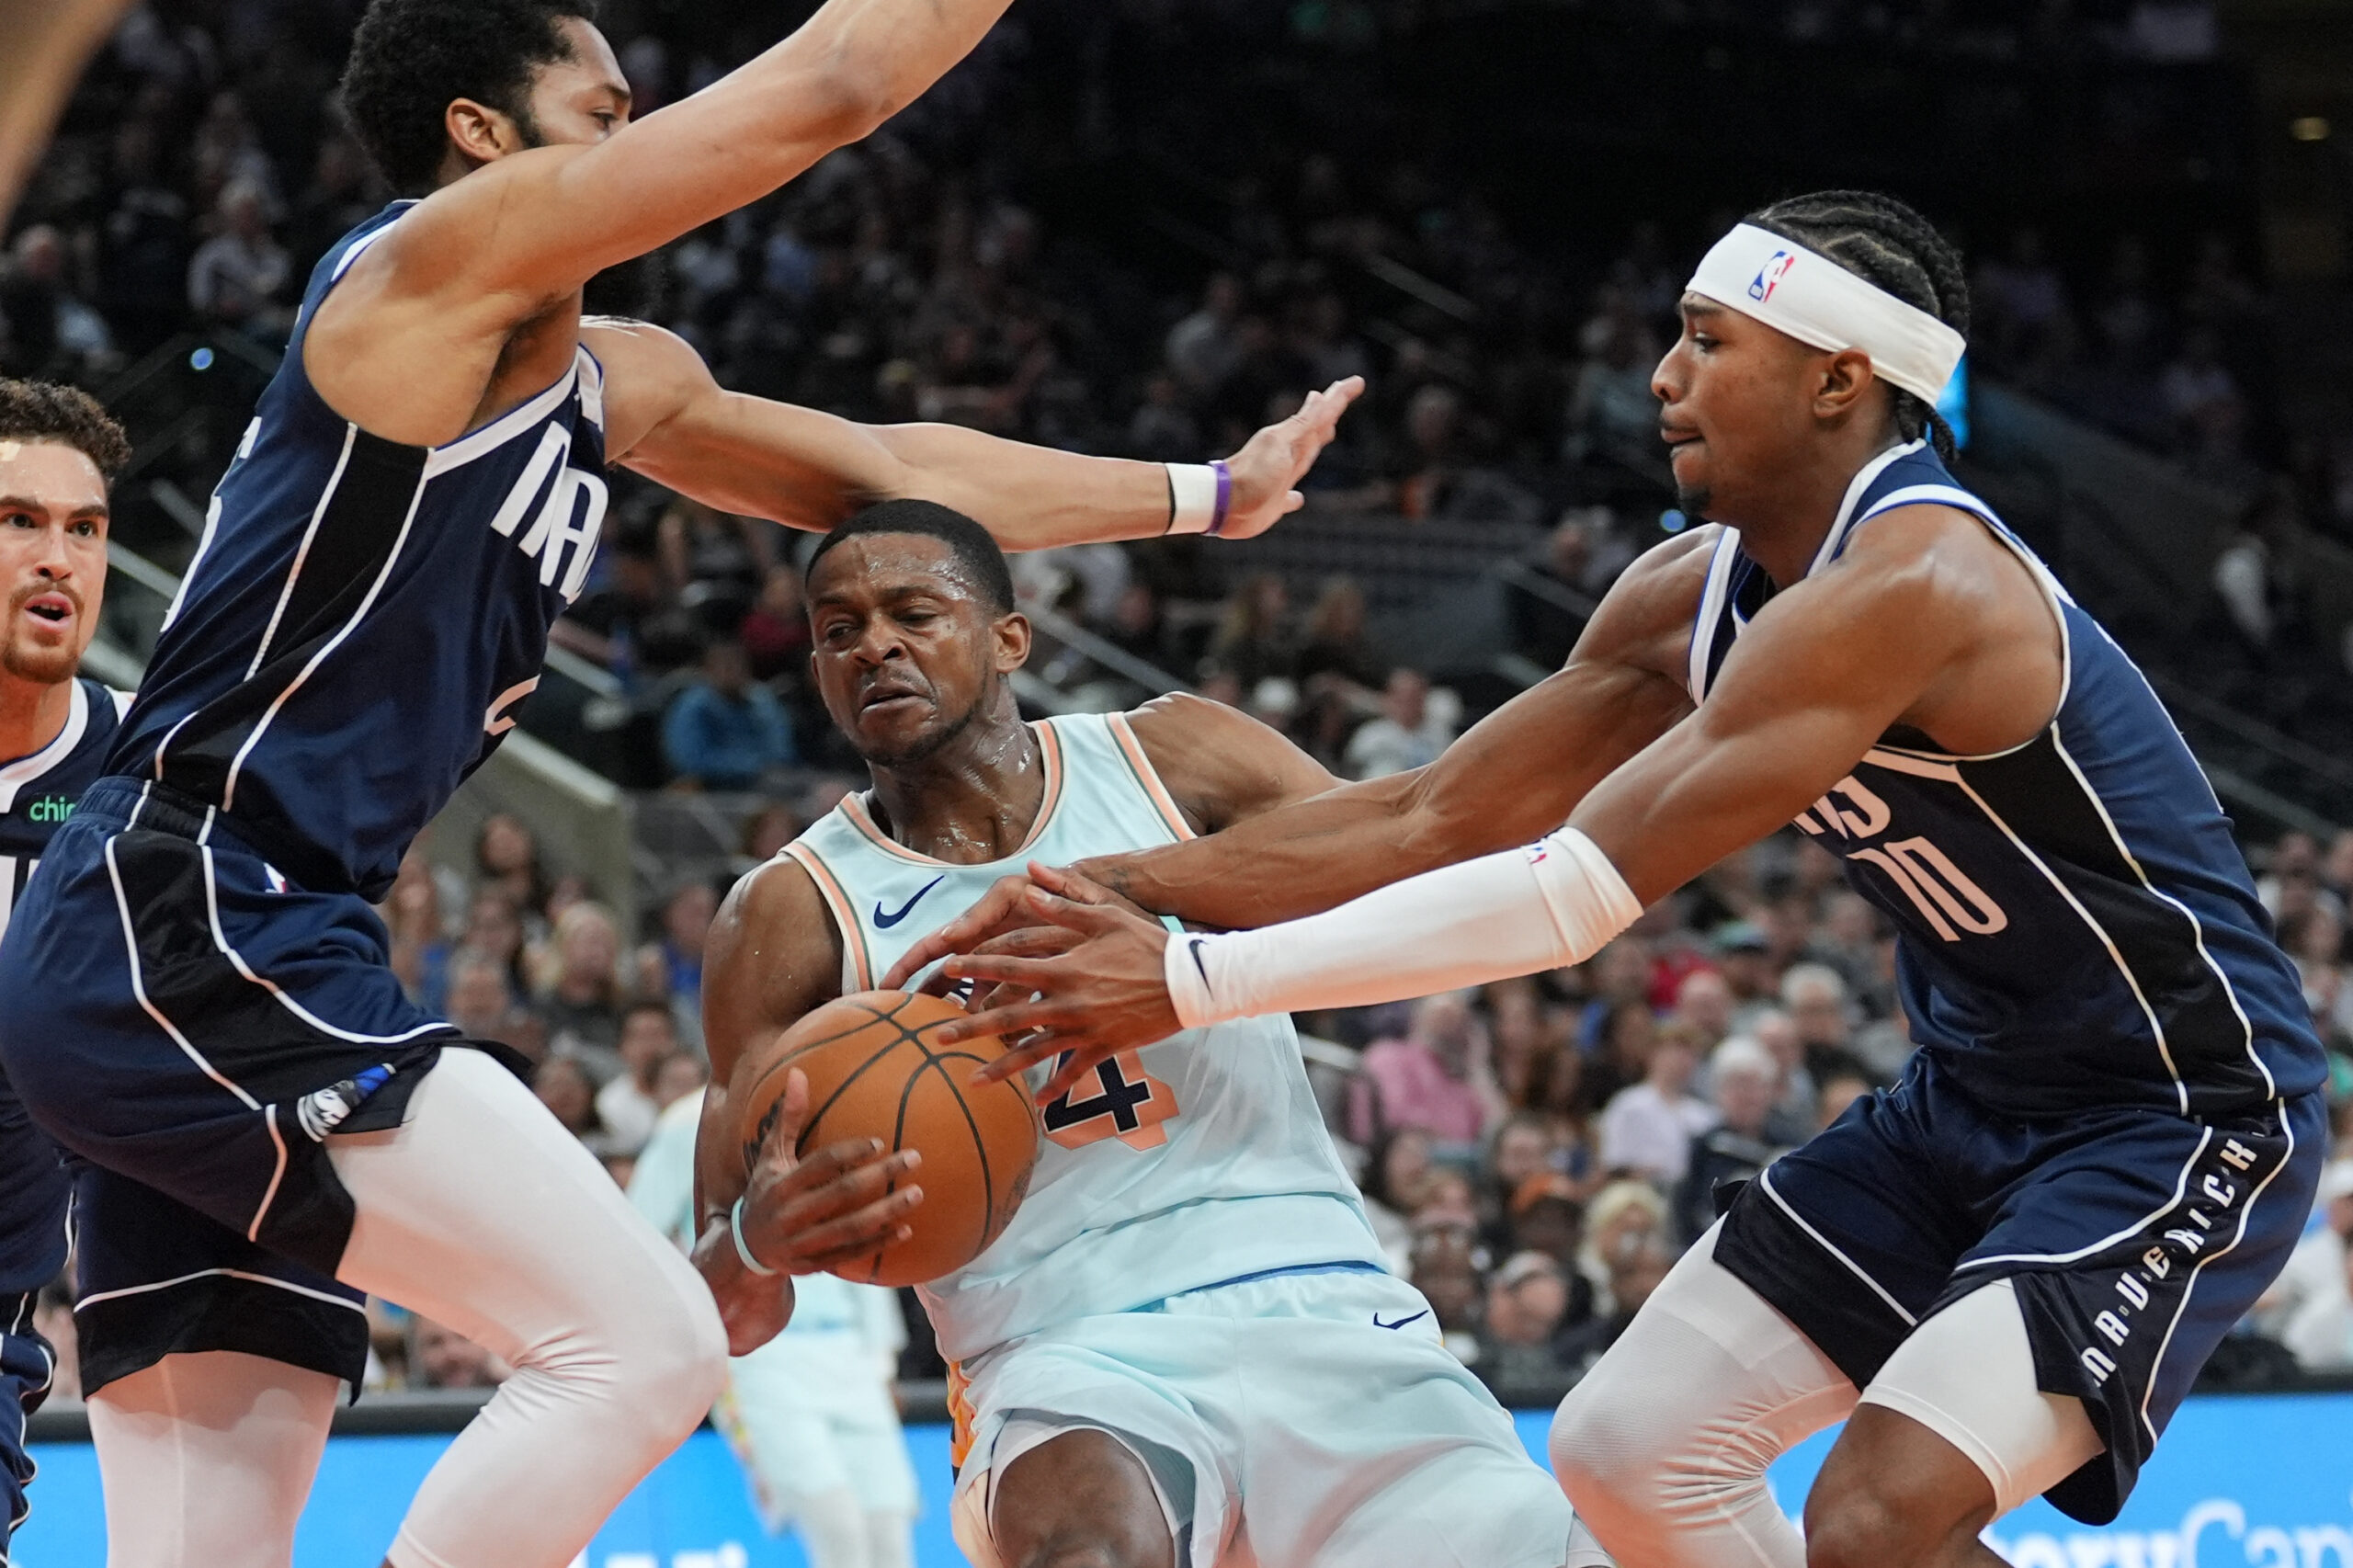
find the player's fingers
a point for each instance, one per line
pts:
(792, 1114)
(1086, 918)
(998, 968)
(780, 1173)
(837, 1240)
(793, 1207)
(1083, 1060)
(1026, 1028)
(1031, 942)
(975, 924)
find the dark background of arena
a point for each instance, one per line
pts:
(1144, 226)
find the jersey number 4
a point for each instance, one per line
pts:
(1128, 1103)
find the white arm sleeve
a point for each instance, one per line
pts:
(1553, 903)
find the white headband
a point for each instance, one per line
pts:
(1817, 301)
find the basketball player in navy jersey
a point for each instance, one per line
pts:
(2006, 1270)
(57, 450)
(195, 995)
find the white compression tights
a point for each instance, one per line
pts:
(481, 1214)
(208, 1458)
(1664, 1446)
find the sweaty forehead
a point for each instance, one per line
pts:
(877, 565)
(57, 476)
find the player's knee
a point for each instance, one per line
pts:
(1604, 1455)
(668, 1359)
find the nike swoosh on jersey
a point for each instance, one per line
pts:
(1400, 1322)
(884, 922)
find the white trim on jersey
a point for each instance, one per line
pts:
(1843, 524)
(506, 428)
(138, 983)
(303, 553)
(343, 263)
(2247, 1213)
(261, 726)
(1765, 1181)
(25, 770)
(2180, 1187)
(1711, 605)
(220, 941)
(2115, 953)
(276, 1174)
(244, 1274)
(2196, 927)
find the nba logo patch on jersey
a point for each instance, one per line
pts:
(1769, 276)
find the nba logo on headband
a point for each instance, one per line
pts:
(1769, 276)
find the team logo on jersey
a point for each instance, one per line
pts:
(50, 809)
(1769, 276)
(884, 922)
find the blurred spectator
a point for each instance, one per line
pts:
(480, 1005)
(673, 966)
(1648, 1127)
(570, 1094)
(627, 1106)
(1446, 1270)
(1816, 999)
(775, 633)
(1335, 644)
(723, 731)
(1436, 1078)
(2308, 1308)
(1396, 1176)
(506, 860)
(680, 1075)
(441, 1357)
(2203, 400)
(581, 1000)
(236, 276)
(1528, 1299)
(1407, 734)
(1839, 1091)
(1546, 1217)
(1205, 348)
(1253, 640)
(1619, 1217)
(1746, 1080)
(49, 332)
(1636, 1268)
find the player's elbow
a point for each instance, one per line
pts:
(849, 97)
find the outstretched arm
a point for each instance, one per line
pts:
(1815, 678)
(670, 420)
(770, 958)
(537, 225)
(1517, 773)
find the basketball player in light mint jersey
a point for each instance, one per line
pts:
(1184, 1348)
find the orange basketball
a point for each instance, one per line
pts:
(872, 1072)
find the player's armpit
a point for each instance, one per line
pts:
(1514, 777)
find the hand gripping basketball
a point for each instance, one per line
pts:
(843, 1201)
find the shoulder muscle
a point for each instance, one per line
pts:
(1221, 764)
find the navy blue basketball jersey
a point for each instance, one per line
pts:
(2075, 925)
(38, 792)
(363, 616)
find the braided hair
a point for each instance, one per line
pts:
(1889, 246)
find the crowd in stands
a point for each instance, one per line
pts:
(1534, 1155)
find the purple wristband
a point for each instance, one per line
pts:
(1224, 496)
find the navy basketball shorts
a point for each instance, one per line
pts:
(175, 1014)
(2135, 1239)
(34, 1189)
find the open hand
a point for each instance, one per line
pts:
(1270, 465)
(1099, 993)
(838, 1204)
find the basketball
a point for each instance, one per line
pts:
(874, 1074)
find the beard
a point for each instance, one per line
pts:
(45, 667)
(1694, 501)
(926, 745)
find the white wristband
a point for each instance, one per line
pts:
(743, 1248)
(1553, 904)
(1199, 497)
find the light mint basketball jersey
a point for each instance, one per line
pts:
(1193, 1161)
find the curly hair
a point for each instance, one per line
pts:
(1886, 243)
(411, 58)
(43, 411)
